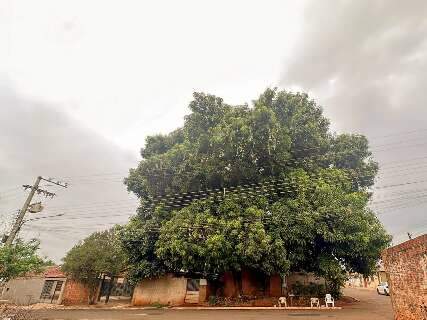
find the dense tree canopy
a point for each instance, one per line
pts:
(295, 195)
(98, 254)
(20, 258)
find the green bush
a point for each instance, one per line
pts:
(312, 289)
(212, 300)
(158, 305)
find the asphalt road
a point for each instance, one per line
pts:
(371, 306)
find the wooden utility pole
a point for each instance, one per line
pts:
(20, 218)
(35, 188)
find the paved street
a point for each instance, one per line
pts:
(371, 306)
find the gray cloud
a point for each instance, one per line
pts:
(366, 62)
(37, 139)
(371, 56)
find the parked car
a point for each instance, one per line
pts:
(383, 288)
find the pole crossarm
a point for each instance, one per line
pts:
(33, 190)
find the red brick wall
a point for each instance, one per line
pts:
(275, 286)
(406, 267)
(250, 283)
(230, 288)
(75, 293)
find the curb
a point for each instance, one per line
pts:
(255, 308)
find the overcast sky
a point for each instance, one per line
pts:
(83, 82)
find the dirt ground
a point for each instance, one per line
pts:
(370, 306)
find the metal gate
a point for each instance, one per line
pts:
(51, 291)
(192, 294)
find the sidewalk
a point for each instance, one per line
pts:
(42, 306)
(256, 308)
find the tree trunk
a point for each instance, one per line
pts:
(100, 288)
(93, 290)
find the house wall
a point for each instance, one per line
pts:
(406, 267)
(23, 291)
(74, 292)
(358, 281)
(167, 290)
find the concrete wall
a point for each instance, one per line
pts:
(167, 290)
(23, 291)
(74, 292)
(406, 267)
(358, 281)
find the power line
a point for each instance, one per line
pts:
(400, 133)
(128, 213)
(33, 190)
(179, 200)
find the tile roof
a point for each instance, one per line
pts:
(53, 272)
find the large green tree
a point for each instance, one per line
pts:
(293, 195)
(20, 258)
(98, 254)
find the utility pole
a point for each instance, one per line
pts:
(20, 219)
(22, 213)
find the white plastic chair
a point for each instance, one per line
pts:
(329, 300)
(314, 302)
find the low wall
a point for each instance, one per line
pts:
(406, 267)
(23, 291)
(167, 290)
(358, 281)
(275, 286)
(251, 284)
(75, 293)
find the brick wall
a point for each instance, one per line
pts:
(406, 267)
(275, 286)
(75, 293)
(230, 285)
(251, 283)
